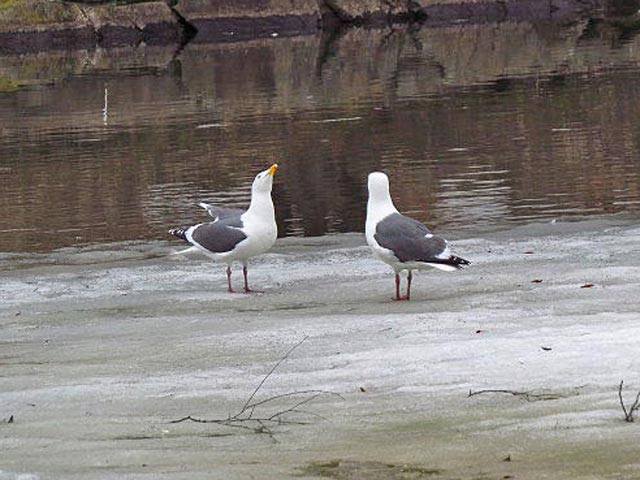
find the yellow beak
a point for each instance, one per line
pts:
(272, 169)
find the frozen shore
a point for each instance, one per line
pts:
(102, 346)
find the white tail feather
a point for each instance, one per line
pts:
(443, 266)
(186, 250)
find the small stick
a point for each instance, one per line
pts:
(624, 409)
(266, 377)
(528, 396)
(246, 417)
(290, 394)
(628, 414)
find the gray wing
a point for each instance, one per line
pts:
(219, 236)
(218, 213)
(409, 240)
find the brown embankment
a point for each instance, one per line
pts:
(36, 25)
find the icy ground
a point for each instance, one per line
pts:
(102, 346)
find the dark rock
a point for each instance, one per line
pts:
(234, 29)
(34, 25)
(443, 12)
(223, 21)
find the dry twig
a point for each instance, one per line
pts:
(246, 418)
(528, 396)
(628, 414)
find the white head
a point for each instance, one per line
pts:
(378, 186)
(264, 180)
(380, 204)
(261, 201)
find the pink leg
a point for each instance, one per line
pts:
(398, 297)
(229, 289)
(246, 282)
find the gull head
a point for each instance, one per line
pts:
(264, 180)
(378, 186)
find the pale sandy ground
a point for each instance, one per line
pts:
(102, 346)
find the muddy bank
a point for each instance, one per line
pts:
(102, 346)
(36, 25)
(441, 12)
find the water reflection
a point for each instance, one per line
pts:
(477, 125)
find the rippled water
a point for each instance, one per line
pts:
(478, 126)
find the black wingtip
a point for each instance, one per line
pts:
(179, 232)
(458, 262)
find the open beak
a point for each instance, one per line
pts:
(272, 169)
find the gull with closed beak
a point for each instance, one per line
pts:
(235, 235)
(400, 241)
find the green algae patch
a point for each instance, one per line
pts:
(6, 4)
(8, 85)
(355, 470)
(35, 15)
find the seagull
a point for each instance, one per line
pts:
(400, 241)
(236, 235)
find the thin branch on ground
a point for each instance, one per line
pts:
(295, 407)
(284, 395)
(266, 377)
(247, 418)
(628, 414)
(529, 396)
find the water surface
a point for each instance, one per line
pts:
(478, 126)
